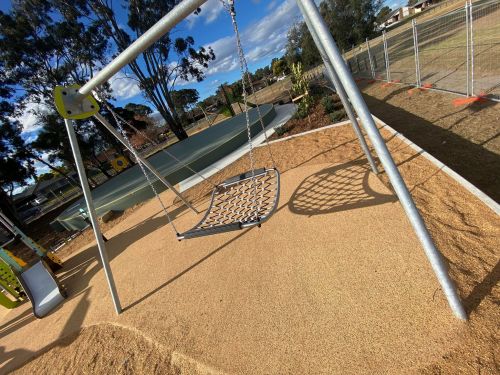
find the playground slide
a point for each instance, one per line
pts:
(42, 288)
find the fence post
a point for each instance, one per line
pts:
(370, 58)
(386, 55)
(415, 49)
(467, 47)
(471, 50)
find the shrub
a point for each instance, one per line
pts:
(280, 130)
(338, 115)
(302, 109)
(328, 104)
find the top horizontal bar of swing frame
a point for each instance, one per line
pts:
(160, 28)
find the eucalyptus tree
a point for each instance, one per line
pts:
(162, 65)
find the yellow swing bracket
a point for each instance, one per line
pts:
(71, 105)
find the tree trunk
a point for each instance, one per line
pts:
(174, 125)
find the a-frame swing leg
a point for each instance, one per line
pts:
(75, 148)
(146, 163)
(318, 26)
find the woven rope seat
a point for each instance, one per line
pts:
(240, 202)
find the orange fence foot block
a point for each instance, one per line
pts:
(473, 99)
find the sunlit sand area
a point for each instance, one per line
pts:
(335, 282)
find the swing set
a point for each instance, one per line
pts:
(250, 198)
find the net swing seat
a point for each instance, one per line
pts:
(234, 205)
(240, 202)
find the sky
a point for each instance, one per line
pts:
(263, 26)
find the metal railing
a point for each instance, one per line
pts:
(456, 52)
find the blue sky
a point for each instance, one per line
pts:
(263, 25)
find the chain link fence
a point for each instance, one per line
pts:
(457, 52)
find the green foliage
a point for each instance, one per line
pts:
(281, 130)
(184, 98)
(225, 111)
(338, 115)
(15, 166)
(302, 110)
(280, 67)
(383, 14)
(350, 21)
(300, 86)
(328, 104)
(139, 109)
(262, 73)
(162, 64)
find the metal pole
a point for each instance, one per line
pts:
(5, 221)
(334, 78)
(167, 23)
(471, 50)
(92, 214)
(146, 163)
(467, 46)
(370, 58)
(415, 49)
(436, 260)
(386, 55)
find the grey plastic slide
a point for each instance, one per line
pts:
(42, 288)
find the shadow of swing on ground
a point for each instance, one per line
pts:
(335, 189)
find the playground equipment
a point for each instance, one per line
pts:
(76, 102)
(51, 259)
(10, 287)
(34, 280)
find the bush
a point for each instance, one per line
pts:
(318, 92)
(280, 130)
(226, 111)
(328, 104)
(337, 116)
(302, 109)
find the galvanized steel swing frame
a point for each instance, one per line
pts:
(344, 82)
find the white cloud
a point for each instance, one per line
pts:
(272, 4)
(124, 87)
(210, 11)
(28, 118)
(263, 38)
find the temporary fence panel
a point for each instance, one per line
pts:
(443, 51)
(401, 55)
(485, 49)
(378, 58)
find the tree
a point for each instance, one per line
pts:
(280, 67)
(294, 43)
(183, 100)
(411, 3)
(350, 21)
(14, 168)
(383, 14)
(139, 109)
(158, 69)
(55, 51)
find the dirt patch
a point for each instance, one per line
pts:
(103, 349)
(466, 138)
(252, 302)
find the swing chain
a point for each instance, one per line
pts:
(245, 72)
(122, 131)
(230, 8)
